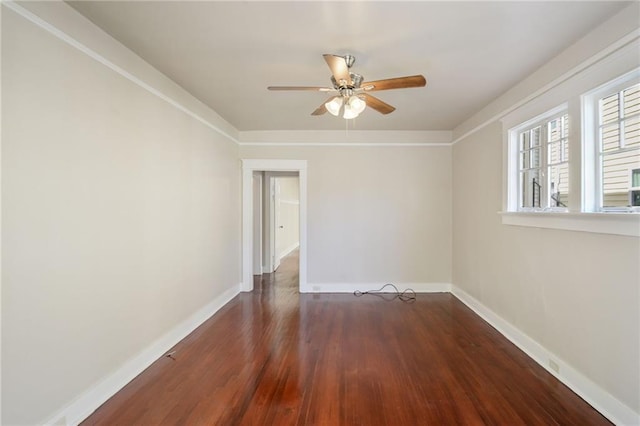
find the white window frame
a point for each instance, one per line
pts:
(515, 177)
(581, 215)
(592, 190)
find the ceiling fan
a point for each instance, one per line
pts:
(351, 91)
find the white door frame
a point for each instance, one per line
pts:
(273, 223)
(248, 167)
(257, 224)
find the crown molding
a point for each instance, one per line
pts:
(61, 11)
(327, 138)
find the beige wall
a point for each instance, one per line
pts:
(575, 293)
(375, 214)
(120, 219)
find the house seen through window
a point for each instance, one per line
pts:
(618, 160)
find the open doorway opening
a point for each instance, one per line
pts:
(280, 219)
(279, 208)
(276, 221)
(276, 231)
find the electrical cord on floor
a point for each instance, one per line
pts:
(408, 295)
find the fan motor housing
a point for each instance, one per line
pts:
(356, 81)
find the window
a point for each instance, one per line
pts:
(617, 145)
(634, 193)
(543, 162)
(572, 153)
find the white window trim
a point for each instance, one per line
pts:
(601, 223)
(620, 62)
(591, 176)
(513, 185)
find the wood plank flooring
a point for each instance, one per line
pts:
(277, 357)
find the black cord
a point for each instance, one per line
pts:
(407, 295)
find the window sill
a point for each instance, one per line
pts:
(616, 223)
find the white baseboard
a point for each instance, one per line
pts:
(351, 287)
(605, 403)
(89, 401)
(610, 407)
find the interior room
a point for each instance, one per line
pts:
(157, 157)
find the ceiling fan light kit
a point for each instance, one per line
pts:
(334, 105)
(357, 104)
(350, 88)
(353, 106)
(349, 112)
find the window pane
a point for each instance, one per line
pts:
(530, 159)
(632, 131)
(524, 160)
(559, 185)
(531, 189)
(558, 147)
(616, 177)
(535, 136)
(632, 100)
(555, 129)
(635, 178)
(555, 152)
(610, 137)
(524, 141)
(535, 157)
(609, 109)
(541, 144)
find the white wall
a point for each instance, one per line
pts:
(376, 214)
(577, 294)
(120, 216)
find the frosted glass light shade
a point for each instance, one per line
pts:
(357, 104)
(349, 112)
(333, 106)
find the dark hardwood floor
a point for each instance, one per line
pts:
(277, 357)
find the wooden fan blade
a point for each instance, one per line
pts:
(322, 109)
(311, 88)
(395, 83)
(377, 104)
(339, 69)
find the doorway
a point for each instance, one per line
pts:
(276, 228)
(282, 234)
(284, 168)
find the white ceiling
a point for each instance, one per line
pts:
(227, 53)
